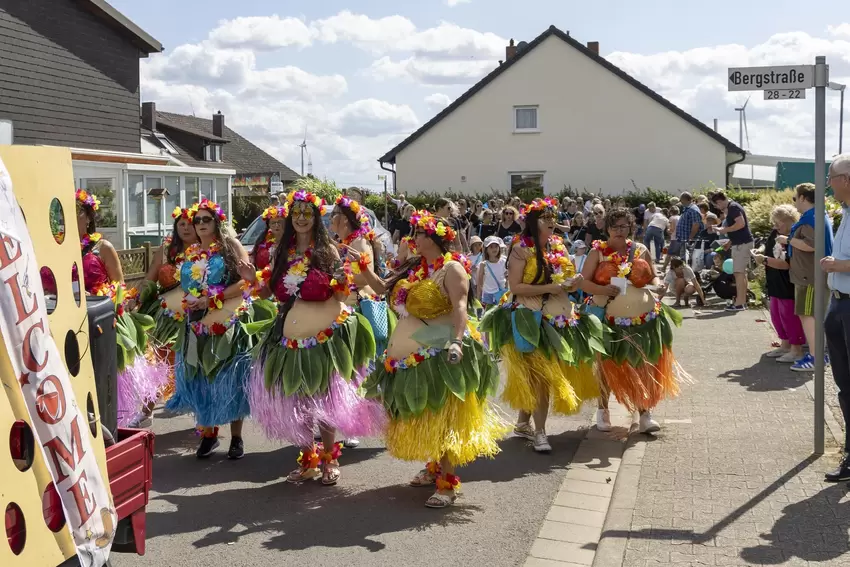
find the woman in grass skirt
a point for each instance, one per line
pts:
(548, 347)
(317, 352)
(265, 248)
(141, 374)
(212, 362)
(436, 375)
(639, 366)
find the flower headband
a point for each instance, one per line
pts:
(179, 213)
(208, 205)
(87, 199)
(348, 203)
(427, 222)
(304, 197)
(273, 212)
(540, 205)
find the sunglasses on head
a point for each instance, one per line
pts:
(202, 220)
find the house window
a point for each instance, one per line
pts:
(525, 119)
(153, 206)
(165, 143)
(191, 191)
(136, 201)
(172, 183)
(207, 189)
(212, 152)
(521, 181)
(221, 194)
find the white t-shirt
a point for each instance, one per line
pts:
(647, 214)
(687, 274)
(674, 220)
(579, 261)
(658, 220)
(491, 284)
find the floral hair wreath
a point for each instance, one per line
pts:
(540, 205)
(304, 197)
(208, 205)
(427, 222)
(346, 202)
(179, 213)
(273, 212)
(88, 199)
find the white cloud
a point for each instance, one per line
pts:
(437, 101)
(262, 33)
(429, 71)
(696, 81)
(377, 35)
(453, 3)
(371, 117)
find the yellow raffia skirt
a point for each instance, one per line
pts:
(568, 385)
(460, 430)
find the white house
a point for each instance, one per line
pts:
(557, 114)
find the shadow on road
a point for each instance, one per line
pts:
(767, 375)
(518, 459)
(815, 529)
(298, 517)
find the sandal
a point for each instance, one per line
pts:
(331, 473)
(427, 476)
(300, 475)
(438, 500)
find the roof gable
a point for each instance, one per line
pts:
(123, 25)
(390, 156)
(238, 153)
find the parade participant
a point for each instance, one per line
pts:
(436, 374)
(265, 248)
(639, 366)
(141, 375)
(547, 347)
(314, 357)
(212, 361)
(161, 296)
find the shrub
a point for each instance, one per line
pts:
(760, 207)
(247, 208)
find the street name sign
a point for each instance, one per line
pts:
(772, 78)
(787, 94)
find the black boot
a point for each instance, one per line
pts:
(842, 472)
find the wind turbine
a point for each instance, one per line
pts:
(309, 164)
(742, 129)
(742, 124)
(303, 146)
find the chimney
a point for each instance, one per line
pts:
(593, 46)
(510, 50)
(149, 116)
(218, 124)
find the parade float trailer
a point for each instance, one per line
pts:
(55, 419)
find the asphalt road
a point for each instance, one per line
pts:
(240, 513)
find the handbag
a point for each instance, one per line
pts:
(376, 313)
(521, 344)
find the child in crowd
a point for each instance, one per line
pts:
(682, 281)
(492, 273)
(579, 257)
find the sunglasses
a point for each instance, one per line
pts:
(621, 227)
(509, 214)
(202, 220)
(306, 213)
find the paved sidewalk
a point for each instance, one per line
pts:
(730, 480)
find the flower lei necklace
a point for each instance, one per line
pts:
(199, 258)
(90, 240)
(365, 231)
(556, 255)
(296, 269)
(608, 254)
(421, 273)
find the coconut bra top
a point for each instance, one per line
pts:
(315, 287)
(263, 257)
(94, 270)
(426, 299)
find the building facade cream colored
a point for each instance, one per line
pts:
(560, 118)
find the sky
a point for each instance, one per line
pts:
(361, 76)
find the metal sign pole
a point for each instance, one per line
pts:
(821, 80)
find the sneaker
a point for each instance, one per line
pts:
(647, 424)
(603, 420)
(207, 446)
(735, 308)
(842, 472)
(351, 443)
(805, 364)
(237, 449)
(541, 442)
(140, 420)
(788, 358)
(524, 430)
(777, 353)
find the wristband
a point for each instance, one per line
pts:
(458, 342)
